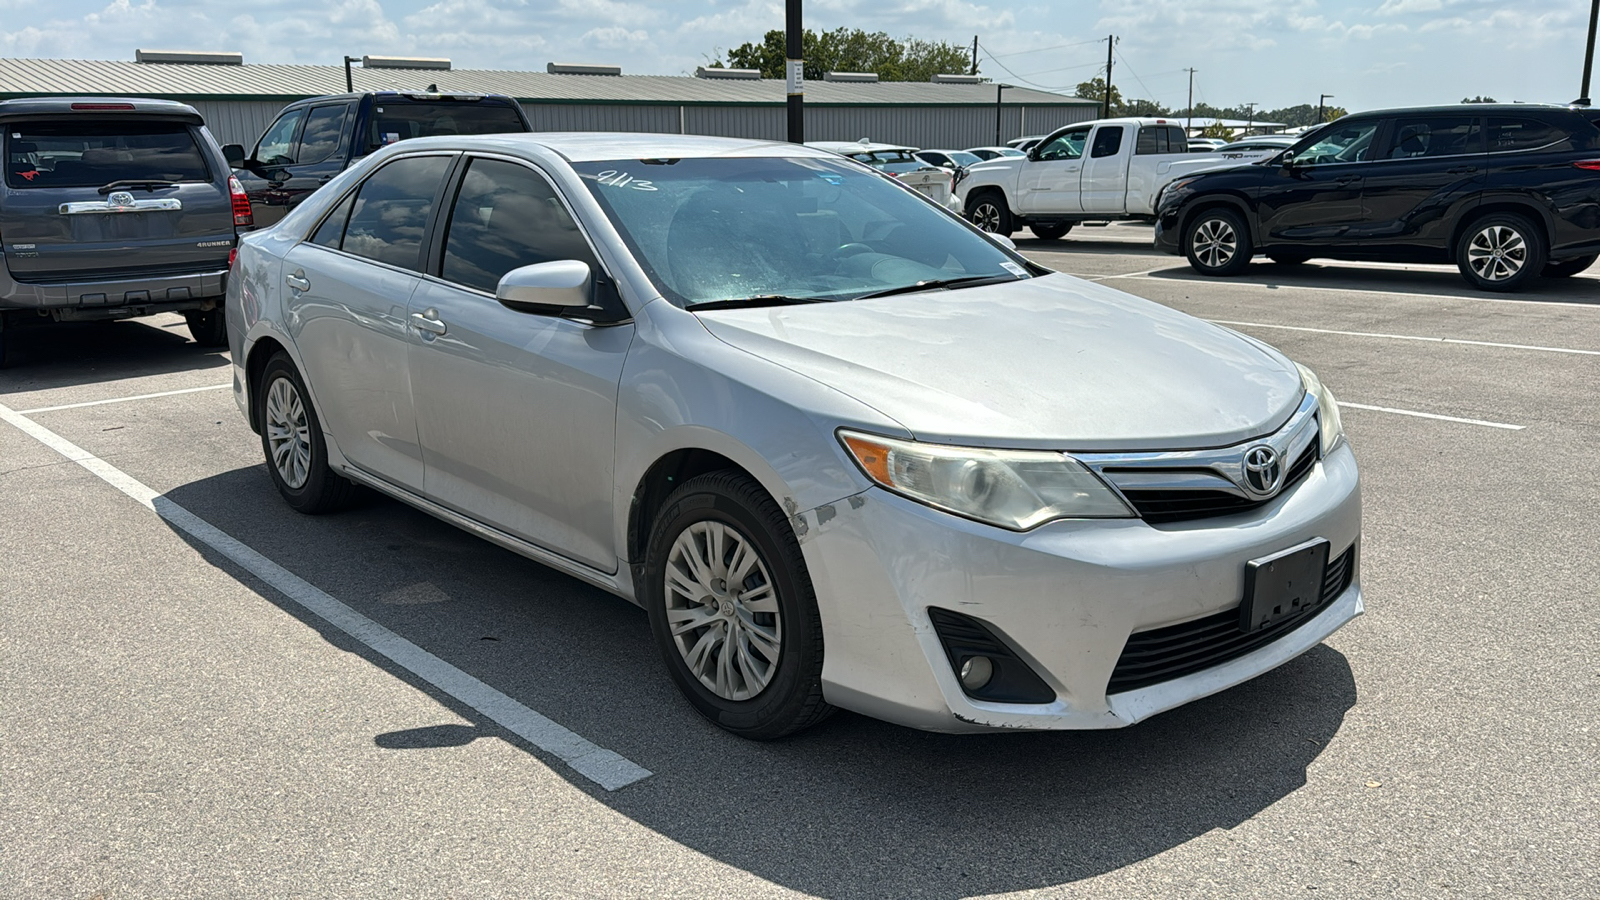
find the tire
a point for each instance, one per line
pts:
(988, 210)
(1287, 259)
(289, 425)
(207, 327)
(1050, 232)
(753, 696)
(1500, 252)
(1217, 243)
(1567, 268)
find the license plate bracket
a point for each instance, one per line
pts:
(1283, 585)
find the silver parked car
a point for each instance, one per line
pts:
(845, 449)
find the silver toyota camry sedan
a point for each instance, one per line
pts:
(845, 450)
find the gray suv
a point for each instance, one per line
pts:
(113, 208)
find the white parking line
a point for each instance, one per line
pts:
(1423, 415)
(1414, 337)
(604, 767)
(194, 390)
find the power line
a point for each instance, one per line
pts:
(1042, 49)
(1151, 94)
(1023, 78)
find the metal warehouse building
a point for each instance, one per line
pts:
(239, 101)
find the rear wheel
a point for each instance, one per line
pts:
(990, 213)
(207, 327)
(1567, 268)
(732, 608)
(291, 440)
(1050, 232)
(1500, 252)
(1217, 243)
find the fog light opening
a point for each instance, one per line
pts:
(976, 672)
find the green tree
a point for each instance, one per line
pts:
(1479, 99)
(1217, 130)
(852, 50)
(1141, 108)
(1095, 89)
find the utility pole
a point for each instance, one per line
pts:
(974, 56)
(349, 80)
(795, 72)
(1189, 110)
(1588, 55)
(1323, 98)
(1105, 106)
(1250, 120)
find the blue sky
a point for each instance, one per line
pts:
(1368, 53)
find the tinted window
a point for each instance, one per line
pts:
(1107, 141)
(277, 145)
(1508, 134)
(398, 120)
(1419, 136)
(1066, 146)
(507, 216)
(391, 211)
(331, 231)
(1161, 139)
(321, 137)
(91, 154)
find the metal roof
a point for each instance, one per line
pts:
(64, 77)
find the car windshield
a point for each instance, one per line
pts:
(963, 158)
(730, 229)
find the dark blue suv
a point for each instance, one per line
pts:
(1506, 192)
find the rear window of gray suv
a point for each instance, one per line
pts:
(93, 154)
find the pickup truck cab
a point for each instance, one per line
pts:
(317, 138)
(1107, 170)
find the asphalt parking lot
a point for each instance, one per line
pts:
(179, 722)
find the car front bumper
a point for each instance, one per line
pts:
(1064, 597)
(1167, 235)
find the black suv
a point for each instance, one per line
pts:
(316, 139)
(112, 208)
(1507, 192)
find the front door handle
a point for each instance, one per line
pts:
(1348, 179)
(298, 281)
(428, 320)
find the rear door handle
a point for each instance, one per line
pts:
(428, 320)
(298, 281)
(1462, 170)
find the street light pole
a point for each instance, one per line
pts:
(349, 80)
(1189, 110)
(794, 71)
(1588, 55)
(1322, 98)
(998, 90)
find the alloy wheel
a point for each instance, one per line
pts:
(1215, 243)
(987, 217)
(1497, 253)
(288, 433)
(722, 609)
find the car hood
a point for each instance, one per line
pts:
(1046, 362)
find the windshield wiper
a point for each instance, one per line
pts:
(754, 302)
(148, 184)
(941, 284)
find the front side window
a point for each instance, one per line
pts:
(1066, 146)
(391, 211)
(507, 216)
(97, 153)
(1508, 134)
(324, 125)
(1107, 141)
(803, 227)
(277, 145)
(1337, 144)
(1420, 136)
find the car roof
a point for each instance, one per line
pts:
(403, 95)
(591, 146)
(33, 106)
(860, 147)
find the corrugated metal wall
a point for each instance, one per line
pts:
(602, 117)
(238, 121)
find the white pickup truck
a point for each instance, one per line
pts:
(1107, 170)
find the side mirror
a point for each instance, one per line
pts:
(234, 154)
(1002, 240)
(551, 288)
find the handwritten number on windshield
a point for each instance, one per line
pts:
(613, 178)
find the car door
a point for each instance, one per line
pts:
(275, 150)
(516, 411)
(280, 175)
(1429, 169)
(1105, 172)
(347, 291)
(1314, 197)
(1050, 178)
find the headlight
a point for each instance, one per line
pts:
(1327, 409)
(1015, 489)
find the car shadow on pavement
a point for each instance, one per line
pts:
(852, 808)
(1426, 282)
(1076, 243)
(44, 355)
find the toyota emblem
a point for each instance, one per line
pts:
(120, 200)
(1263, 472)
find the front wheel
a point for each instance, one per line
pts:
(732, 608)
(1217, 243)
(1500, 252)
(1050, 232)
(1568, 267)
(207, 327)
(291, 440)
(990, 213)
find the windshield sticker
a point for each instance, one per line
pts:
(613, 178)
(832, 178)
(1014, 269)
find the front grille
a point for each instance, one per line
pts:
(1163, 654)
(1165, 506)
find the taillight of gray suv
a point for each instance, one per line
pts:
(113, 208)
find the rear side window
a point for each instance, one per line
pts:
(398, 120)
(505, 217)
(1508, 135)
(321, 137)
(1161, 139)
(1421, 136)
(97, 153)
(331, 232)
(1107, 141)
(391, 211)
